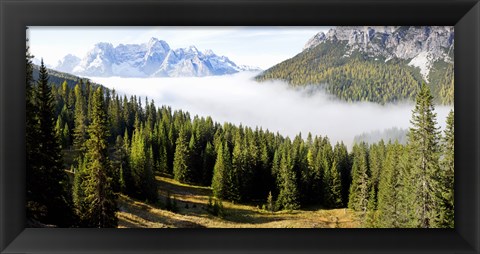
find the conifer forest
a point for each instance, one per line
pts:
(99, 158)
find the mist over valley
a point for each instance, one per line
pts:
(272, 105)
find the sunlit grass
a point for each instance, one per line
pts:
(192, 212)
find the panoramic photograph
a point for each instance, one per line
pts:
(240, 127)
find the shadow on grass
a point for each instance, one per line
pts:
(167, 185)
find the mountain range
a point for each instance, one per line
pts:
(378, 64)
(421, 45)
(152, 59)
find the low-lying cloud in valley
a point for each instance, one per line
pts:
(271, 105)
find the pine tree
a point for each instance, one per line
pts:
(446, 184)
(80, 173)
(359, 189)
(35, 209)
(424, 152)
(288, 197)
(127, 184)
(239, 168)
(150, 185)
(51, 184)
(407, 195)
(208, 164)
(390, 186)
(222, 166)
(66, 136)
(181, 162)
(341, 156)
(142, 168)
(162, 163)
(335, 186)
(100, 201)
(80, 130)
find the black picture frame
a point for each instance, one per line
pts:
(15, 15)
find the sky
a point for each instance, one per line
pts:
(255, 46)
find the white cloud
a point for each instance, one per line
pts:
(271, 105)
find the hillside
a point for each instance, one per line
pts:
(57, 78)
(382, 66)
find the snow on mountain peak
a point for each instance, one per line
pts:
(154, 58)
(67, 63)
(208, 52)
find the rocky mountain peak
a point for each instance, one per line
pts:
(154, 58)
(422, 45)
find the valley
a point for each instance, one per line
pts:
(354, 131)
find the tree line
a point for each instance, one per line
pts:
(115, 144)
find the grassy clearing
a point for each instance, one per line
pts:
(192, 212)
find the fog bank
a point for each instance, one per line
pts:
(271, 105)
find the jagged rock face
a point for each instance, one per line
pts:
(422, 45)
(152, 59)
(400, 42)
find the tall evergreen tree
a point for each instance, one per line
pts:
(142, 168)
(181, 162)
(35, 209)
(99, 197)
(342, 157)
(127, 184)
(423, 139)
(208, 164)
(359, 189)
(446, 184)
(220, 170)
(288, 197)
(389, 189)
(80, 130)
(335, 184)
(50, 184)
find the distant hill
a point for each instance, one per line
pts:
(376, 64)
(58, 77)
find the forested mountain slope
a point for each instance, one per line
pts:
(376, 64)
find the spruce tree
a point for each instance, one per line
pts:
(359, 189)
(335, 185)
(127, 184)
(239, 168)
(34, 208)
(424, 145)
(208, 164)
(99, 198)
(288, 197)
(181, 162)
(222, 166)
(342, 157)
(446, 176)
(81, 207)
(142, 168)
(52, 188)
(80, 130)
(390, 185)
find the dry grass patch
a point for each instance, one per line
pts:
(192, 212)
